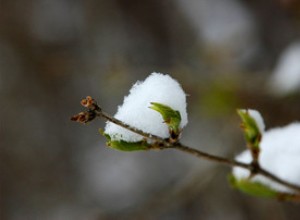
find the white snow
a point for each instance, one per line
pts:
(135, 110)
(280, 155)
(286, 75)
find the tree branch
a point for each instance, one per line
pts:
(159, 143)
(116, 121)
(233, 163)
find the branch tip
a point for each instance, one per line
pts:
(90, 103)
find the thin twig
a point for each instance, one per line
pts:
(233, 163)
(95, 111)
(116, 121)
(269, 175)
(210, 157)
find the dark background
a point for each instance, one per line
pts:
(55, 52)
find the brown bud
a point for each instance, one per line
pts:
(83, 117)
(80, 117)
(89, 103)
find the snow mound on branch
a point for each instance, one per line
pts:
(135, 110)
(280, 155)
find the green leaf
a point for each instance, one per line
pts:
(170, 116)
(260, 190)
(128, 146)
(123, 145)
(253, 188)
(251, 130)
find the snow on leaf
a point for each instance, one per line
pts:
(135, 111)
(280, 153)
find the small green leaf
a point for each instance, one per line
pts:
(260, 190)
(170, 116)
(123, 145)
(128, 146)
(251, 130)
(253, 188)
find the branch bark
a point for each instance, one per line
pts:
(159, 143)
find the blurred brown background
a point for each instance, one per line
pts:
(225, 54)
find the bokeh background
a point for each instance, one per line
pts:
(227, 54)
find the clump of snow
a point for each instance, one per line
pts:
(135, 110)
(258, 119)
(286, 76)
(280, 155)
